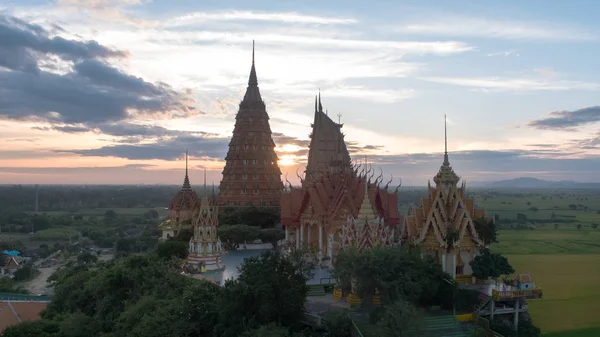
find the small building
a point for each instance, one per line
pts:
(10, 266)
(525, 282)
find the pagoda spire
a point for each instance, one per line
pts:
(253, 80)
(320, 106)
(186, 180)
(446, 161)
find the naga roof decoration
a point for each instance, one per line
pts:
(446, 208)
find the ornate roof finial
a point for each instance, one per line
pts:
(339, 118)
(253, 80)
(316, 104)
(320, 106)
(186, 180)
(446, 161)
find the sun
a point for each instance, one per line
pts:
(287, 160)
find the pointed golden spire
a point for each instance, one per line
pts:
(320, 105)
(446, 161)
(186, 180)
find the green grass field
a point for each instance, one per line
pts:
(564, 262)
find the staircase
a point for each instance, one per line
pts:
(443, 326)
(485, 299)
(316, 290)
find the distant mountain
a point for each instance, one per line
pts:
(530, 182)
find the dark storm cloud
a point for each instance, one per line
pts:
(22, 45)
(567, 120)
(167, 149)
(92, 92)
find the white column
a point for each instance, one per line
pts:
(444, 262)
(302, 235)
(287, 234)
(297, 234)
(308, 237)
(320, 238)
(454, 266)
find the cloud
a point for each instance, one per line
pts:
(90, 91)
(568, 120)
(24, 45)
(283, 17)
(166, 149)
(487, 28)
(514, 84)
(106, 10)
(592, 143)
(504, 53)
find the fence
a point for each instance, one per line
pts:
(485, 325)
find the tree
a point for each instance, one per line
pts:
(110, 214)
(270, 330)
(489, 264)
(271, 288)
(233, 236)
(397, 273)
(86, 258)
(555, 226)
(400, 319)
(486, 230)
(595, 226)
(41, 328)
(272, 235)
(172, 248)
(579, 226)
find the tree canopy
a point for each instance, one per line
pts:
(488, 264)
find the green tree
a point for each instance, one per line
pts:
(172, 248)
(41, 328)
(234, 235)
(400, 319)
(271, 235)
(87, 258)
(489, 264)
(270, 330)
(486, 230)
(110, 214)
(578, 226)
(270, 288)
(595, 226)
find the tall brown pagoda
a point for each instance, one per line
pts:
(251, 175)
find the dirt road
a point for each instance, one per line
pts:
(38, 285)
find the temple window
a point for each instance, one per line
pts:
(254, 161)
(255, 176)
(254, 146)
(256, 191)
(244, 190)
(245, 161)
(246, 146)
(244, 176)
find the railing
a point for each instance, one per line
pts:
(464, 278)
(354, 330)
(510, 294)
(23, 297)
(311, 319)
(330, 280)
(485, 325)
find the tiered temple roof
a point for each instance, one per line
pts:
(186, 198)
(251, 174)
(327, 149)
(445, 209)
(332, 189)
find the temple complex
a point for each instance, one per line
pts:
(182, 208)
(204, 245)
(251, 175)
(442, 226)
(335, 206)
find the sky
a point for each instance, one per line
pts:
(115, 91)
